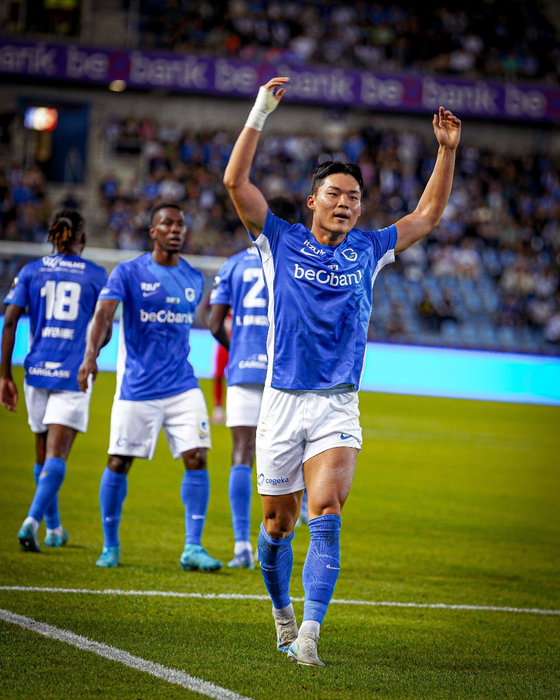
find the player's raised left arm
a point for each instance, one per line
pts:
(249, 201)
(433, 201)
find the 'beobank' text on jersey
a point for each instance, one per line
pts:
(61, 292)
(159, 304)
(320, 301)
(240, 284)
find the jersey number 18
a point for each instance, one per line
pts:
(62, 300)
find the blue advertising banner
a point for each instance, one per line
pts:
(309, 84)
(406, 369)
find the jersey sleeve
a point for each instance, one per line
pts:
(273, 228)
(384, 241)
(19, 291)
(115, 287)
(221, 294)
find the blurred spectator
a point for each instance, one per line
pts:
(491, 39)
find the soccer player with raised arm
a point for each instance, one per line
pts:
(239, 287)
(60, 292)
(156, 386)
(319, 284)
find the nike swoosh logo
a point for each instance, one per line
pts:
(149, 294)
(344, 437)
(334, 568)
(198, 517)
(308, 252)
(110, 520)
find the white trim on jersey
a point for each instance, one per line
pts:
(267, 260)
(387, 259)
(121, 357)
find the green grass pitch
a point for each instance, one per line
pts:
(454, 502)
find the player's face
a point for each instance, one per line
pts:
(336, 205)
(169, 230)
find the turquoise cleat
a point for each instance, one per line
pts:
(54, 540)
(110, 557)
(28, 540)
(196, 558)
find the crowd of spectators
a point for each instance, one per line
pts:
(487, 277)
(510, 39)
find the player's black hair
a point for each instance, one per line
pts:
(164, 205)
(65, 228)
(285, 209)
(330, 167)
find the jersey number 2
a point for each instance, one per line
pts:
(62, 300)
(251, 300)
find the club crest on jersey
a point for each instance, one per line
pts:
(350, 255)
(190, 294)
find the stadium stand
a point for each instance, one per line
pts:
(492, 39)
(487, 277)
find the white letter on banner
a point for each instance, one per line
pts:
(519, 103)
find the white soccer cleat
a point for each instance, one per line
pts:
(286, 632)
(304, 650)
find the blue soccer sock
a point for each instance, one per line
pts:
(195, 494)
(321, 567)
(50, 480)
(276, 558)
(112, 492)
(52, 518)
(240, 489)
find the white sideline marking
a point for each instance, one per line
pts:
(241, 596)
(171, 675)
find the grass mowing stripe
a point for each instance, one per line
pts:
(241, 596)
(197, 685)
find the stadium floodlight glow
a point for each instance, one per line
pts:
(117, 85)
(41, 118)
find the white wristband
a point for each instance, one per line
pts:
(264, 105)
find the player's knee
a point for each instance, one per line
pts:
(279, 525)
(118, 464)
(195, 460)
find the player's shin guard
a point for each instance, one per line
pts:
(240, 489)
(50, 480)
(112, 492)
(321, 567)
(195, 493)
(276, 558)
(52, 518)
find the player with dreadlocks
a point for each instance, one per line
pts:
(60, 292)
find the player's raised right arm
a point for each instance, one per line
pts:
(99, 334)
(247, 198)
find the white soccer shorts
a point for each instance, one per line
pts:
(135, 425)
(296, 426)
(46, 406)
(243, 404)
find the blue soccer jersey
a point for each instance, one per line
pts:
(320, 300)
(240, 284)
(60, 292)
(159, 304)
